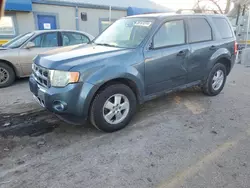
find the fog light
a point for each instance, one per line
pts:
(59, 106)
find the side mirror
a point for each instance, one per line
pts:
(30, 45)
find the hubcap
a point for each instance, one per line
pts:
(116, 109)
(4, 75)
(218, 80)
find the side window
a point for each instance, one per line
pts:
(171, 33)
(37, 40)
(46, 40)
(223, 27)
(199, 30)
(70, 38)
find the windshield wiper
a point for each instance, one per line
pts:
(106, 44)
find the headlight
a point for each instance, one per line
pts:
(63, 78)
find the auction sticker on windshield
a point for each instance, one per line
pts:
(143, 24)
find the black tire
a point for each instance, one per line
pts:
(207, 87)
(11, 75)
(96, 112)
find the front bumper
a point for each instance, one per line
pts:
(71, 102)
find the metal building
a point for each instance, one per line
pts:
(91, 16)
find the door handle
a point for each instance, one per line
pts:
(181, 53)
(213, 47)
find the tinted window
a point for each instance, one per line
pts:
(199, 30)
(171, 33)
(70, 38)
(46, 40)
(223, 27)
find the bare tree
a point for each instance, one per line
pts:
(216, 3)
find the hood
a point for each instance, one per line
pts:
(67, 57)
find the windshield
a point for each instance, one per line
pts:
(18, 41)
(125, 33)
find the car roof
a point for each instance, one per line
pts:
(55, 30)
(165, 15)
(37, 32)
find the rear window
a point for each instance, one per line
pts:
(199, 30)
(223, 27)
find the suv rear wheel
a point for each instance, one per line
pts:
(113, 108)
(7, 75)
(216, 80)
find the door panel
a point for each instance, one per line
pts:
(165, 68)
(199, 58)
(202, 47)
(46, 22)
(43, 43)
(165, 63)
(26, 57)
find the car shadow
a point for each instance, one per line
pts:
(42, 122)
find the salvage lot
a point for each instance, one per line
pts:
(185, 139)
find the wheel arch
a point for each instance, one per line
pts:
(12, 66)
(126, 81)
(225, 61)
(222, 55)
(119, 80)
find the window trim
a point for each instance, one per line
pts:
(229, 25)
(169, 46)
(212, 36)
(61, 36)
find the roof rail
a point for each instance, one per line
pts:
(197, 11)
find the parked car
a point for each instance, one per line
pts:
(135, 60)
(17, 55)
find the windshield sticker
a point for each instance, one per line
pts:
(143, 24)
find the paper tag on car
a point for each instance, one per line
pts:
(143, 24)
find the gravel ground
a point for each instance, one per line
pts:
(184, 140)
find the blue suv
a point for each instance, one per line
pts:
(134, 60)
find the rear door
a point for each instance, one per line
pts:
(202, 46)
(43, 42)
(165, 61)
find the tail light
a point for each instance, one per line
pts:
(235, 48)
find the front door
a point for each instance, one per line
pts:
(46, 22)
(43, 43)
(165, 61)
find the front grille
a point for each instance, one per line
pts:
(41, 75)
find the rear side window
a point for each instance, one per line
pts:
(199, 30)
(223, 27)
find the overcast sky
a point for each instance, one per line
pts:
(184, 4)
(176, 4)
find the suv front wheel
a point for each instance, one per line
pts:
(113, 108)
(216, 80)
